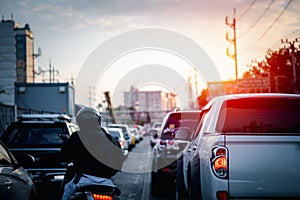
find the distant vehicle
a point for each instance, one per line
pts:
(246, 147)
(156, 125)
(153, 134)
(136, 134)
(127, 134)
(118, 135)
(15, 182)
(35, 140)
(168, 149)
(140, 129)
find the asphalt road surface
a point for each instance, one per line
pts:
(135, 179)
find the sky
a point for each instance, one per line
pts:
(68, 32)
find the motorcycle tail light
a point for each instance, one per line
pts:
(162, 142)
(102, 197)
(166, 169)
(219, 161)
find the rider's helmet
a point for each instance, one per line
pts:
(88, 118)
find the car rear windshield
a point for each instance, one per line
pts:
(260, 116)
(114, 133)
(27, 135)
(188, 119)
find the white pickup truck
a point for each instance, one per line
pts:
(247, 147)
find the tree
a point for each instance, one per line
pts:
(203, 98)
(278, 67)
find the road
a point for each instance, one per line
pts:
(135, 179)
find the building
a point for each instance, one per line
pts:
(149, 100)
(24, 55)
(16, 58)
(7, 62)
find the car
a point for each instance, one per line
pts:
(136, 134)
(156, 125)
(15, 182)
(35, 140)
(153, 134)
(168, 149)
(245, 147)
(127, 134)
(141, 130)
(118, 135)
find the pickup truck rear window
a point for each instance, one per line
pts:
(261, 115)
(33, 135)
(188, 120)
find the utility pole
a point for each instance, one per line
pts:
(50, 71)
(110, 107)
(233, 42)
(293, 61)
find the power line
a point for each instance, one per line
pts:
(293, 33)
(258, 19)
(289, 35)
(269, 28)
(245, 12)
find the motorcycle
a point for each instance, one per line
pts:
(98, 190)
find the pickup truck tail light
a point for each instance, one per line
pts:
(219, 162)
(222, 195)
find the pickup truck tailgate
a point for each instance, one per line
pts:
(264, 165)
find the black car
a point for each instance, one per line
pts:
(15, 182)
(168, 150)
(35, 141)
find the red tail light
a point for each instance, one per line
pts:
(162, 142)
(219, 161)
(170, 142)
(121, 142)
(166, 169)
(222, 195)
(220, 151)
(102, 197)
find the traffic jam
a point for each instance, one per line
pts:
(150, 100)
(237, 146)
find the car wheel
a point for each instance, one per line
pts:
(155, 187)
(195, 184)
(181, 192)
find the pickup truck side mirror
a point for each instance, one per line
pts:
(153, 133)
(64, 136)
(182, 134)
